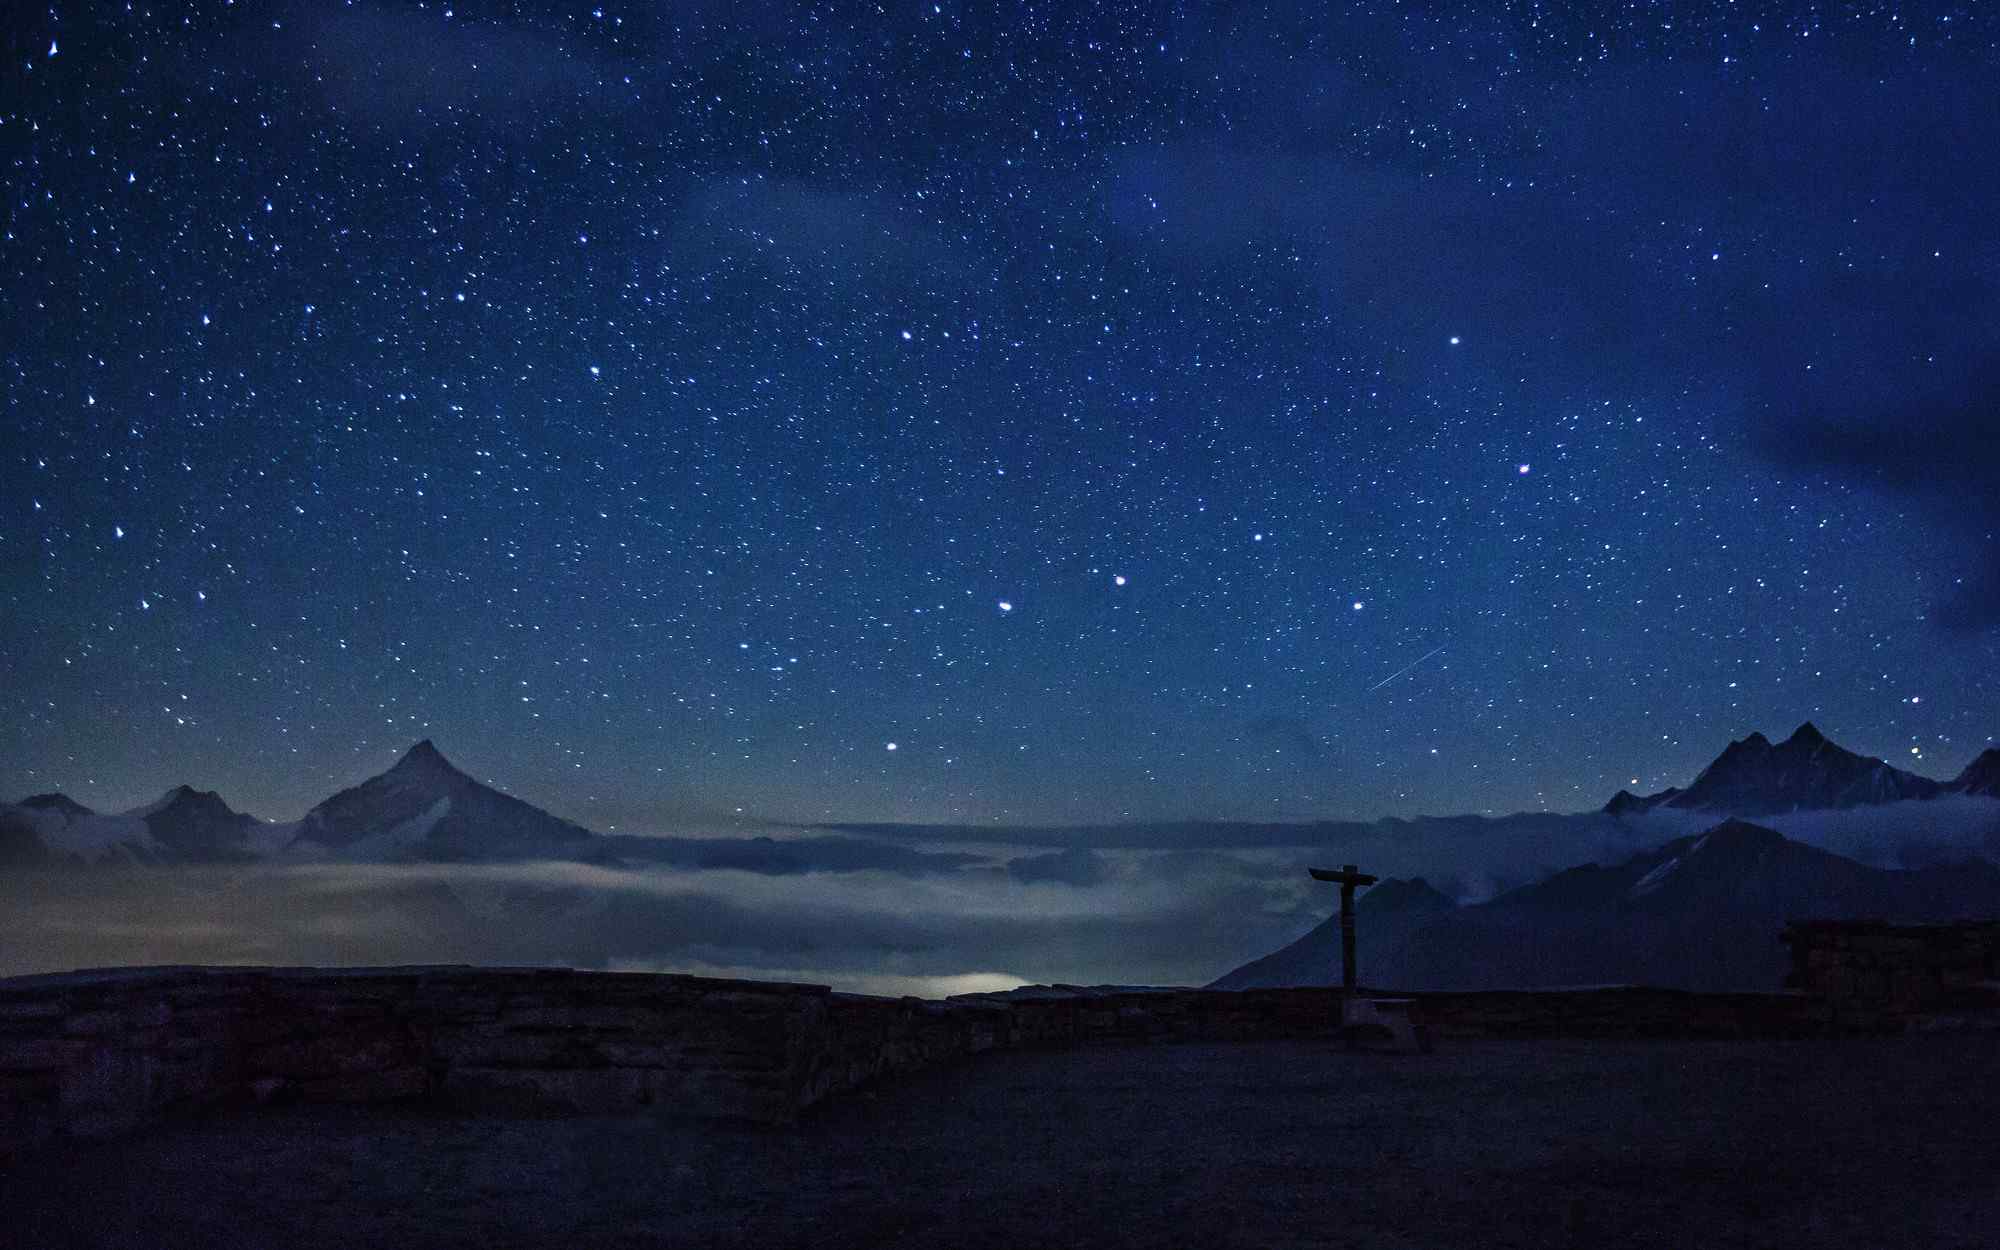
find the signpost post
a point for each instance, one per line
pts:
(1398, 1016)
(1349, 878)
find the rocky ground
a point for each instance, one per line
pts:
(1824, 1144)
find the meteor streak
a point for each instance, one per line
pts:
(1406, 668)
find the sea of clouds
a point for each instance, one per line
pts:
(1115, 905)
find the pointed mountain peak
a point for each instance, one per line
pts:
(1756, 746)
(1740, 831)
(1625, 802)
(1806, 735)
(1740, 753)
(423, 808)
(424, 758)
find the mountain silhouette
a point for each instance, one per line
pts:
(196, 826)
(1753, 777)
(57, 802)
(425, 809)
(1981, 776)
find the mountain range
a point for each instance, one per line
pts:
(422, 810)
(1805, 772)
(426, 810)
(1675, 888)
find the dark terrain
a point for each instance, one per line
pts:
(1827, 1144)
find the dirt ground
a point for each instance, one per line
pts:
(1891, 1142)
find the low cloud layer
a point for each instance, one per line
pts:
(1086, 914)
(868, 931)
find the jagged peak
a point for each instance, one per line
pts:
(1807, 734)
(185, 795)
(1756, 744)
(186, 791)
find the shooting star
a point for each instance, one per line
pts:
(1406, 668)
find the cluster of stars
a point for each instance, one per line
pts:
(681, 403)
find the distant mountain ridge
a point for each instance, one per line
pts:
(422, 809)
(1807, 771)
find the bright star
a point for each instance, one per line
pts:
(1118, 579)
(1006, 606)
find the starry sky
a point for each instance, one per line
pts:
(693, 414)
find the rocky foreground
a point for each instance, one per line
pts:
(1832, 1143)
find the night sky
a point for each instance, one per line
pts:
(702, 413)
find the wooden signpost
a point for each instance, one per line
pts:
(1398, 1016)
(1349, 878)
